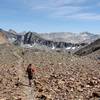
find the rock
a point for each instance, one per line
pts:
(61, 82)
(72, 79)
(88, 86)
(79, 89)
(3, 99)
(71, 89)
(42, 97)
(91, 83)
(96, 94)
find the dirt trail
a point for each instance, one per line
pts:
(28, 91)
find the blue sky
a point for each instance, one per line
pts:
(50, 15)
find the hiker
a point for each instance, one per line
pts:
(30, 72)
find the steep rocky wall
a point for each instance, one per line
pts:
(31, 38)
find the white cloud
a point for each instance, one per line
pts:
(55, 3)
(65, 11)
(72, 9)
(85, 16)
(70, 2)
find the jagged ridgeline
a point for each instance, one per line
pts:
(32, 38)
(94, 46)
(63, 40)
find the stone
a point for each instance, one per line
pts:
(79, 89)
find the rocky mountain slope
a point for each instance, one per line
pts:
(49, 40)
(3, 38)
(34, 38)
(11, 36)
(68, 37)
(58, 76)
(94, 46)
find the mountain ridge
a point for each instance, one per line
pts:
(92, 47)
(65, 40)
(71, 37)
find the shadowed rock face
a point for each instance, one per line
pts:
(32, 38)
(94, 46)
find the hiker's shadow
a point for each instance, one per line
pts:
(20, 83)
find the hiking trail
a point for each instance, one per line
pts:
(28, 91)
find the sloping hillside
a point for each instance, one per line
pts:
(3, 38)
(10, 36)
(58, 76)
(94, 46)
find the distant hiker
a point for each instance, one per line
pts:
(30, 72)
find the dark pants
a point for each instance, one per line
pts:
(30, 79)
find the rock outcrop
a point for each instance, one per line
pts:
(94, 46)
(33, 38)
